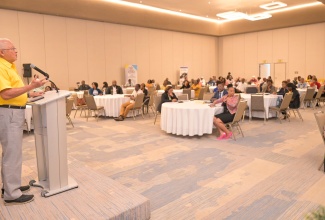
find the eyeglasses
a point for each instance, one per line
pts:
(14, 49)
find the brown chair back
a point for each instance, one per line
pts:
(257, 103)
(138, 101)
(69, 105)
(201, 94)
(90, 101)
(188, 92)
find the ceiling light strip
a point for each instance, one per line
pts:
(295, 7)
(147, 7)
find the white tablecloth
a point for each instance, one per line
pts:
(111, 103)
(128, 89)
(211, 88)
(188, 118)
(269, 100)
(79, 94)
(28, 116)
(177, 92)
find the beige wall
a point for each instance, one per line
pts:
(73, 49)
(301, 48)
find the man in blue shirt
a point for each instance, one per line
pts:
(219, 91)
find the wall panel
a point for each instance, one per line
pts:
(56, 51)
(315, 58)
(77, 51)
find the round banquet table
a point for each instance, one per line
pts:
(80, 94)
(269, 100)
(188, 118)
(128, 90)
(177, 92)
(111, 103)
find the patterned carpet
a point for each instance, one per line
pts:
(271, 173)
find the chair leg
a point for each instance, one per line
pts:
(299, 115)
(241, 131)
(75, 113)
(233, 134)
(155, 118)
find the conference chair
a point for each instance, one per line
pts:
(82, 107)
(318, 95)
(182, 97)
(201, 94)
(207, 96)
(283, 107)
(251, 89)
(257, 104)
(156, 104)
(137, 105)
(188, 92)
(238, 117)
(151, 105)
(296, 110)
(92, 107)
(320, 119)
(69, 106)
(309, 96)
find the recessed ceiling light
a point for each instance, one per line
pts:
(209, 3)
(258, 16)
(273, 5)
(232, 15)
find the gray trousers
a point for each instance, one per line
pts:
(11, 138)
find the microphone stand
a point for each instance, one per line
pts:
(56, 88)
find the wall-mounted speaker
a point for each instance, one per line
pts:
(27, 70)
(322, 1)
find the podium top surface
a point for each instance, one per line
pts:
(51, 96)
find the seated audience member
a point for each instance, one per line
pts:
(145, 92)
(95, 90)
(295, 81)
(253, 80)
(283, 89)
(288, 81)
(39, 89)
(114, 89)
(153, 83)
(84, 86)
(314, 83)
(164, 85)
(149, 84)
(202, 80)
(242, 85)
(167, 96)
(230, 102)
(168, 82)
(220, 91)
(263, 84)
(186, 85)
(309, 77)
(105, 87)
(269, 87)
(295, 101)
(129, 83)
(196, 87)
(48, 88)
(232, 86)
(302, 84)
(127, 106)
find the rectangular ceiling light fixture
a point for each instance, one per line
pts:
(260, 16)
(273, 5)
(232, 15)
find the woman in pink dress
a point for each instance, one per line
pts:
(230, 102)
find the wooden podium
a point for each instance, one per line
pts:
(49, 116)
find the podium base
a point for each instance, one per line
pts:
(46, 192)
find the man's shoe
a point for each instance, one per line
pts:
(21, 200)
(23, 189)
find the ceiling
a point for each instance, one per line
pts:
(115, 12)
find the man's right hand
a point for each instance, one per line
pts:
(38, 83)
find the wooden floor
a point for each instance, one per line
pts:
(272, 173)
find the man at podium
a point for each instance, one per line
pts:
(13, 99)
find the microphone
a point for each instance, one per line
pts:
(39, 70)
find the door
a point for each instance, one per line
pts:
(265, 70)
(279, 74)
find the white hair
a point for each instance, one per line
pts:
(4, 42)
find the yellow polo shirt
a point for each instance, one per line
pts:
(197, 89)
(9, 78)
